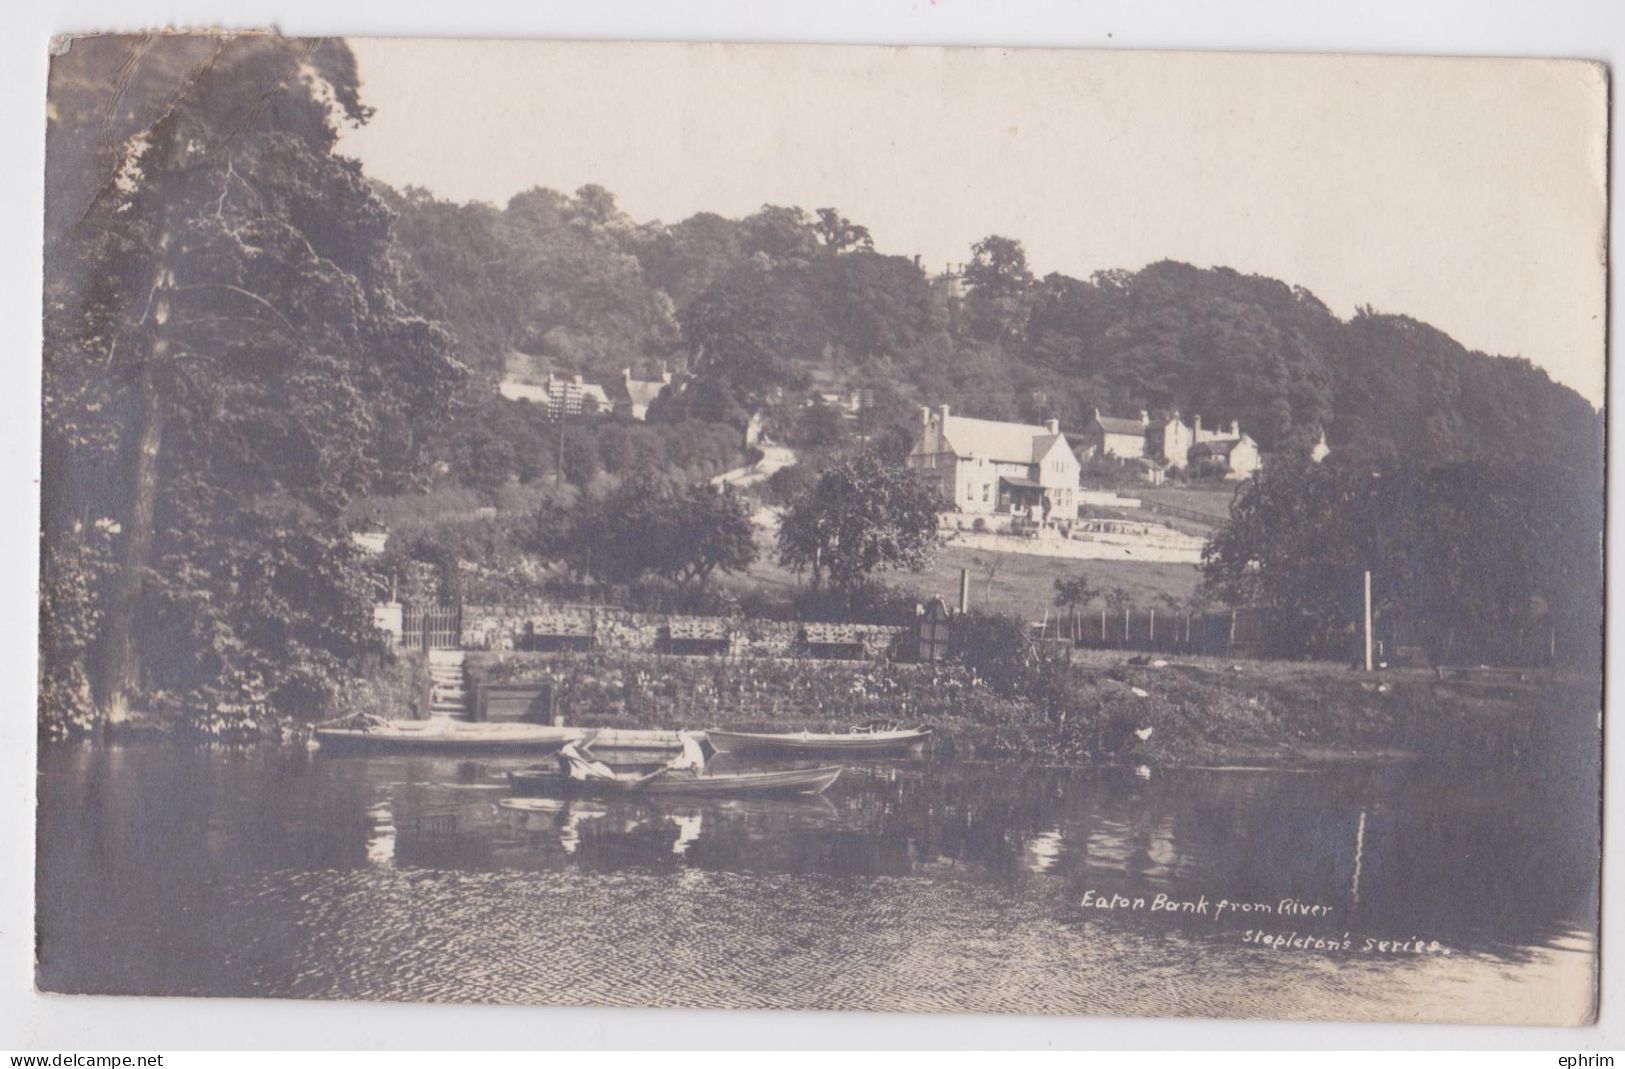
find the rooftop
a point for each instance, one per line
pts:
(1113, 425)
(1012, 443)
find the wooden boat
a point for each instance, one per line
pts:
(675, 783)
(462, 736)
(446, 736)
(650, 739)
(845, 744)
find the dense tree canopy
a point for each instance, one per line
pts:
(648, 526)
(768, 309)
(227, 360)
(1472, 560)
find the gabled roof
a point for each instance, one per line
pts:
(1045, 442)
(1011, 443)
(1113, 425)
(643, 392)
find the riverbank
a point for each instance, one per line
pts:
(1100, 709)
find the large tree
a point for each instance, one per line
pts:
(999, 282)
(226, 362)
(649, 526)
(862, 516)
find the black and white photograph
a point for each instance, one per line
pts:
(987, 530)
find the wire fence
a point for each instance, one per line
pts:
(1245, 632)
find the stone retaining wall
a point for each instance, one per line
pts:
(510, 627)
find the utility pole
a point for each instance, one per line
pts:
(1368, 619)
(1373, 518)
(558, 471)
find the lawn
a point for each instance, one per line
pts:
(1024, 585)
(1212, 502)
(1020, 584)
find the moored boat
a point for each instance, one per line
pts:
(461, 736)
(846, 744)
(446, 736)
(670, 783)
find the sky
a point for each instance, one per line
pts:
(1467, 193)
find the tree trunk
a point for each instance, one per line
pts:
(121, 667)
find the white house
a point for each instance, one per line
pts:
(1319, 451)
(989, 466)
(1167, 442)
(1238, 455)
(562, 395)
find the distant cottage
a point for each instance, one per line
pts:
(636, 395)
(988, 466)
(1169, 443)
(572, 395)
(562, 395)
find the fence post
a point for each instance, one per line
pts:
(1367, 618)
(1230, 643)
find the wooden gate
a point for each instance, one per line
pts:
(936, 630)
(432, 627)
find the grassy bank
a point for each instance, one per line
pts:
(394, 689)
(1019, 584)
(390, 686)
(1198, 711)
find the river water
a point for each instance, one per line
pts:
(910, 886)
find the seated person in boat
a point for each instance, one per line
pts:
(575, 766)
(692, 759)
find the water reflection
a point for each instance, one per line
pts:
(381, 835)
(146, 848)
(1381, 846)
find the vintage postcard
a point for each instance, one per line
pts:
(836, 528)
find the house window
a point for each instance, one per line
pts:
(986, 490)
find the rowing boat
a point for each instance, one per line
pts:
(845, 744)
(448, 736)
(674, 783)
(376, 733)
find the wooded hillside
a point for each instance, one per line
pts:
(767, 308)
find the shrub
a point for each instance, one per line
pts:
(994, 647)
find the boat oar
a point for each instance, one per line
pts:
(639, 783)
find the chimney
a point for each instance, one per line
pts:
(925, 415)
(626, 374)
(1235, 428)
(1145, 418)
(1053, 426)
(942, 414)
(1196, 427)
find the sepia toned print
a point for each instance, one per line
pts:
(838, 528)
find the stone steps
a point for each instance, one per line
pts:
(448, 685)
